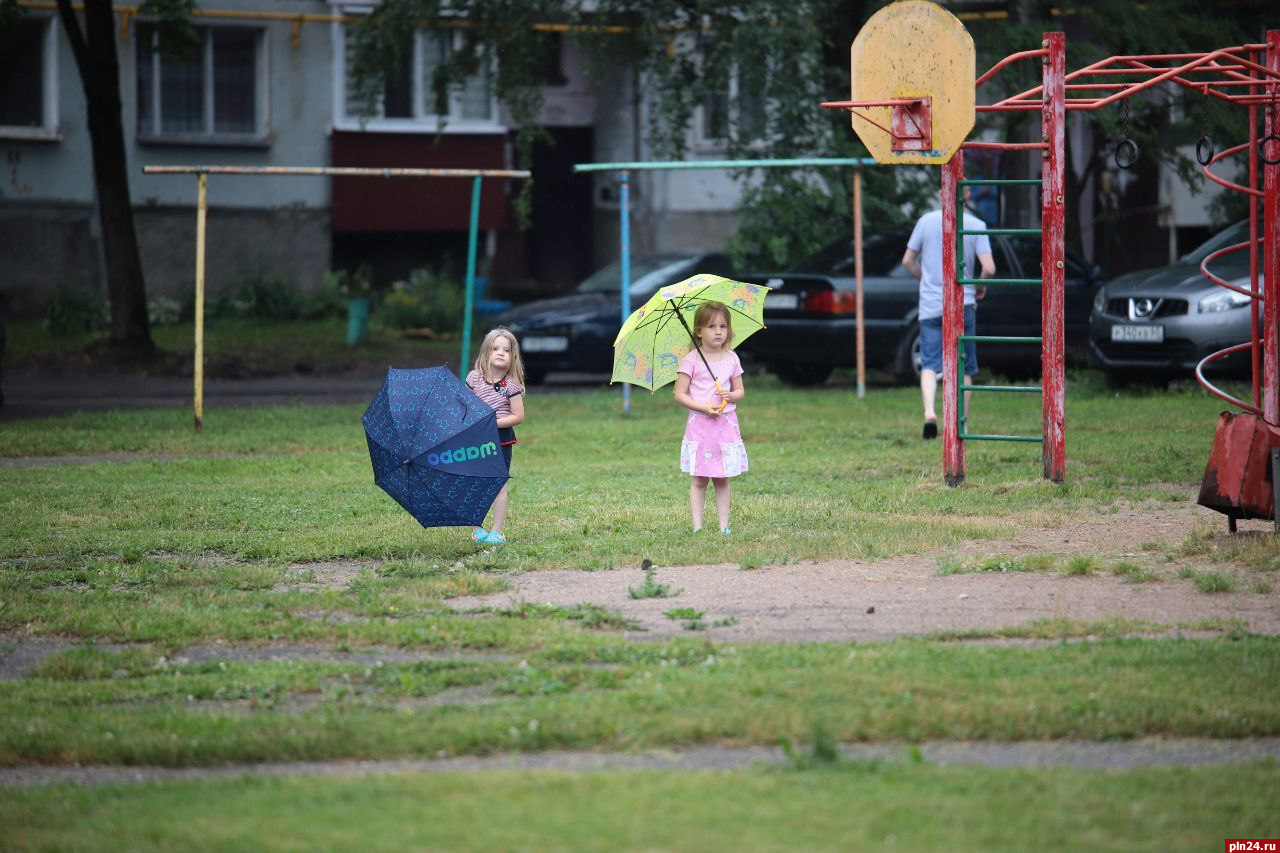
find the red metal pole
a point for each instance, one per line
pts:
(952, 323)
(1271, 240)
(1052, 224)
(1255, 337)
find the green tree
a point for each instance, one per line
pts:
(781, 57)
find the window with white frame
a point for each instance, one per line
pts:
(28, 79)
(740, 112)
(407, 101)
(215, 94)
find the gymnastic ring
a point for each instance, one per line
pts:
(1123, 145)
(1262, 148)
(1202, 158)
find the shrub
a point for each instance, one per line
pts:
(74, 312)
(163, 311)
(427, 299)
(270, 297)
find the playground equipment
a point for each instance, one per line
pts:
(202, 177)
(909, 88)
(624, 196)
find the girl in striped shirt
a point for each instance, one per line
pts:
(498, 379)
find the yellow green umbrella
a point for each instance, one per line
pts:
(659, 333)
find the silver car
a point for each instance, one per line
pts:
(1158, 324)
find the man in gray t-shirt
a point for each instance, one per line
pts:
(923, 259)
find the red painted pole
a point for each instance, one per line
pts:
(1255, 351)
(1052, 225)
(1271, 239)
(952, 323)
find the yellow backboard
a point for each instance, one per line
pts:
(913, 50)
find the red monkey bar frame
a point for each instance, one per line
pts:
(1234, 75)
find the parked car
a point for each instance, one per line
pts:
(810, 315)
(1158, 324)
(575, 332)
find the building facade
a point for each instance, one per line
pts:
(270, 85)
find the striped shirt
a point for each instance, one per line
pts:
(496, 396)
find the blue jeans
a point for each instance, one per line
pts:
(931, 342)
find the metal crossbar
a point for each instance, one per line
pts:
(1000, 182)
(1002, 339)
(1007, 232)
(1024, 389)
(978, 436)
(985, 281)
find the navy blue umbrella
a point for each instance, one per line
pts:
(434, 447)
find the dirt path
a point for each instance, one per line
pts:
(854, 600)
(1080, 754)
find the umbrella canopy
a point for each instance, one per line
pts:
(434, 447)
(652, 341)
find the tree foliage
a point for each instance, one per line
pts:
(778, 56)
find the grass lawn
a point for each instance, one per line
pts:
(190, 539)
(857, 805)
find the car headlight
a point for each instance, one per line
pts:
(1224, 301)
(1100, 300)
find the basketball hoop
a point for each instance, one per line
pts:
(912, 124)
(911, 92)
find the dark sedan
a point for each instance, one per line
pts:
(575, 333)
(1158, 324)
(810, 318)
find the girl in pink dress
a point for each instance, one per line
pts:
(712, 449)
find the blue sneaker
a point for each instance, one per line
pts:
(479, 534)
(494, 537)
(726, 531)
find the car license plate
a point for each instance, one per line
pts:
(1138, 334)
(783, 301)
(545, 344)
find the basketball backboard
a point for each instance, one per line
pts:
(913, 63)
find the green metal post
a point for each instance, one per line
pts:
(472, 235)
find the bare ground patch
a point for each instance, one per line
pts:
(857, 600)
(1149, 752)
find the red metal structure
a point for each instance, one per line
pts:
(1246, 75)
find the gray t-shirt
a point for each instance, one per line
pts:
(926, 240)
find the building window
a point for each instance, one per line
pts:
(215, 94)
(407, 101)
(28, 79)
(739, 112)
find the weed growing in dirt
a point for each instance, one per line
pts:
(1080, 564)
(588, 614)
(998, 564)
(651, 588)
(1260, 587)
(1214, 582)
(822, 751)
(1132, 572)
(691, 619)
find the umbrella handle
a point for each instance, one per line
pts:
(723, 402)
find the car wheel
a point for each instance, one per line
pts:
(802, 374)
(906, 363)
(534, 377)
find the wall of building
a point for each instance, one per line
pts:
(257, 225)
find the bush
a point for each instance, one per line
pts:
(75, 312)
(163, 311)
(427, 299)
(270, 297)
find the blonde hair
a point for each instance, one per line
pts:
(516, 370)
(703, 316)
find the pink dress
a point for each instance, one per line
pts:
(712, 445)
